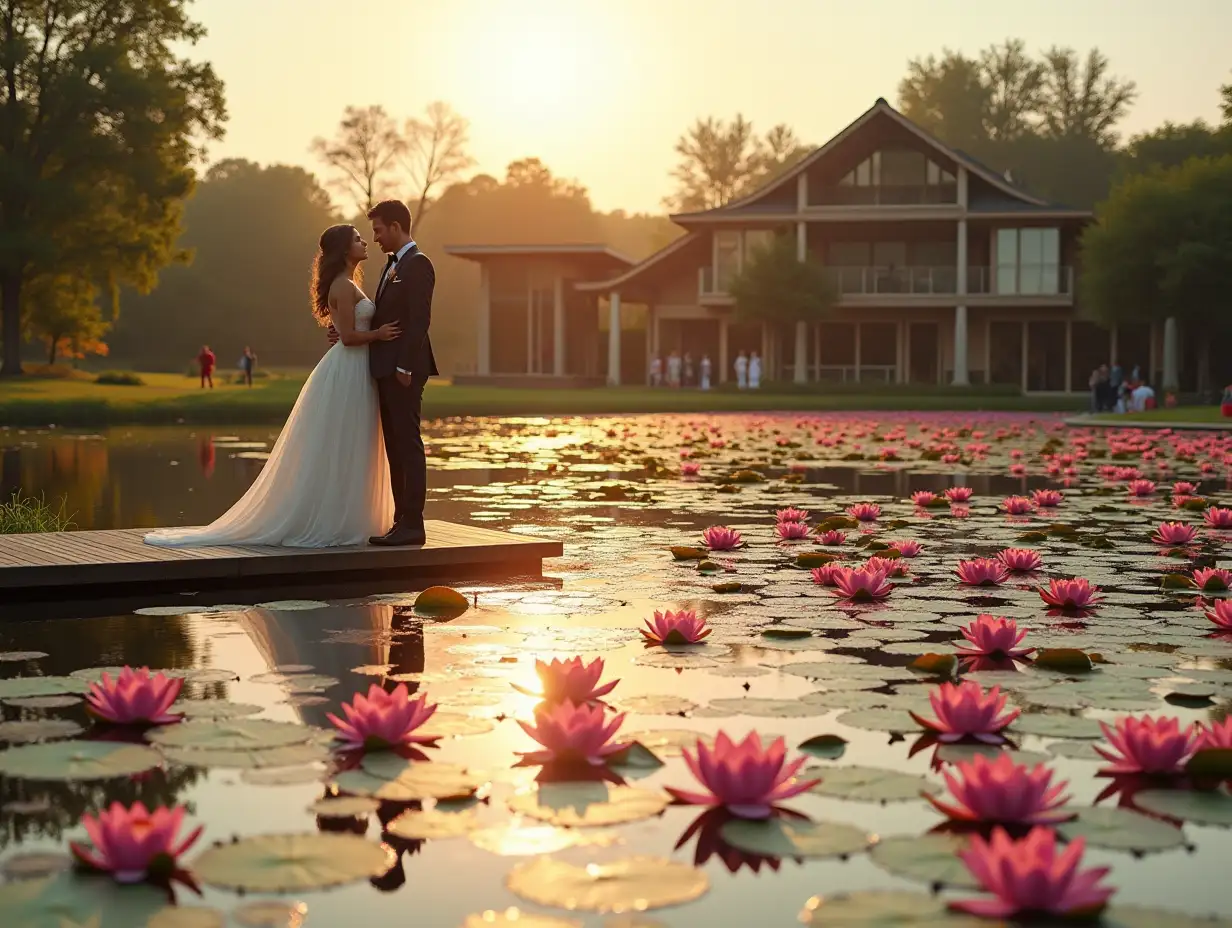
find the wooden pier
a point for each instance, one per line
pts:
(72, 564)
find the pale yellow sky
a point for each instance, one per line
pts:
(601, 89)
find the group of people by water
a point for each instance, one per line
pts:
(1112, 391)
(678, 370)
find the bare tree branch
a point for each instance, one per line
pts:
(435, 154)
(362, 153)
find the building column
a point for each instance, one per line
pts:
(483, 328)
(650, 338)
(1069, 356)
(1152, 356)
(962, 364)
(765, 351)
(1172, 376)
(906, 353)
(723, 324)
(857, 358)
(800, 372)
(613, 339)
(1026, 354)
(962, 376)
(558, 327)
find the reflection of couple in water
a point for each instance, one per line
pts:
(329, 641)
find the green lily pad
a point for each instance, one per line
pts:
(688, 553)
(187, 916)
(414, 781)
(287, 755)
(588, 804)
(344, 806)
(1175, 582)
(778, 837)
(18, 656)
(1053, 725)
(20, 732)
(433, 823)
(927, 858)
(632, 884)
(293, 605)
(786, 631)
(77, 760)
(885, 908)
(657, 704)
(636, 756)
(441, 602)
(868, 784)
(24, 687)
(827, 747)
(811, 559)
(1201, 807)
(1066, 660)
(270, 913)
(1121, 830)
(939, 665)
(291, 863)
(729, 586)
(231, 734)
(891, 720)
(765, 708)
(69, 899)
(213, 709)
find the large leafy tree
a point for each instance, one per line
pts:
(720, 161)
(1172, 144)
(1162, 248)
(776, 287)
(101, 120)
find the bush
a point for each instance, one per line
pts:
(120, 379)
(27, 515)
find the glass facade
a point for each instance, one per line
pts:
(1028, 261)
(901, 176)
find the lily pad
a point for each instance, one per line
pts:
(635, 756)
(929, 858)
(24, 687)
(270, 913)
(416, 781)
(293, 605)
(779, 837)
(1201, 807)
(939, 665)
(657, 704)
(633, 884)
(71, 899)
(454, 724)
(77, 760)
(1053, 725)
(588, 804)
(765, 708)
(1121, 830)
(38, 730)
(213, 709)
(432, 823)
(1211, 762)
(187, 916)
(344, 807)
(441, 602)
(884, 908)
(287, 755)
(291, 863)
(868, 784)
(687, 553)
(1066, 660)
(15, 656)
(515, 918)
(891, 720)
(231, 734)
(827, 747)
(668, 742)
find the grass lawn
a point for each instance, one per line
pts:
(173, 398)
(1194, 414)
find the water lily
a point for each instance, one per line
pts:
(1141, 488)
(890, 566)
(570, 681)
(134, 844)
(135, 697)
(1218, 518)
(958, 494)
(1216, 735)
(1047, 499)
(667, 627)
(791, 531)
(831, 537)
(1146, 745)
(1075, 595)
(924, 498)
(1020, 560)
(1017, 505)
(1221, 614)
(864, 512)
(1212, 579)
(690, 469)
(721, 538)
(964, 710)
(1030, 878)
(861, 584)
(383, 719)
(827, 574)
(906, 547)
(983, 571)
(1002, 791)
(1174, 533)
(1184, 488)
(743, 777)
(994, 637)
(572, 733)
(791, 514)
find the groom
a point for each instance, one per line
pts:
(402, 367)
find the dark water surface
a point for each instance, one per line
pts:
(612, 490)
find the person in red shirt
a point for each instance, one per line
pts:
(206, 360)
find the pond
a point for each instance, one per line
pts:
(462, 834)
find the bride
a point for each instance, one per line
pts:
(326, 482)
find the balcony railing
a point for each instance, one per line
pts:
(1025, 280)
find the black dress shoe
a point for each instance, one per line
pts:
(400, 538)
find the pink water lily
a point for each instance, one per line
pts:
(925, 498)
(1047, 499)
(861, 584)
(721, 538)
(1146, 745)
(1221, 614)
(570, 681)
(383, 719)
(1218, 518)
(958, 494)
(134, 844)
(983, 571)
(864, 512)
(831, 537)
(1075, 595)
(791, 514)
(890, 566)
(964, 710)
(743, 777)
(571, 733)
(791, 531)
(1141, 488)
(690, 469)
(1017, 505)
(1174, 533)
(1212, 579)
(1029, 877)
(828, 574)
(994, 637)
(135, 697)
(1004, 792)
(1020, 560)
(1215, 736)
(1184, 488)
(667, 627)
(906, 548)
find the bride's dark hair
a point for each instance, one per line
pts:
(331, 260)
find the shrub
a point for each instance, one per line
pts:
(120, 379)
(23, 515)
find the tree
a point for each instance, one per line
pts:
(64, 312)
(1225, 93)
(1162, 248)
(1082, 100)
(948, 97)
(1013, 88)
(362, 154)
(435, 154)
(721, 161)
(100, 124)
(1171, 145)
(776, 287)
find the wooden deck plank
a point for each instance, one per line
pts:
(57, 562)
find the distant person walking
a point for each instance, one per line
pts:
(206, 361)
(742, 371)
(248, 363)
(705, 368)
(656, 371)
(755, 371)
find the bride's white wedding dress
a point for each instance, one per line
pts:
(326, 482)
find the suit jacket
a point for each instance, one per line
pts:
(406, 299)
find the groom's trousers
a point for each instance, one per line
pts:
(408, 466)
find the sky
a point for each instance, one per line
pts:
(601, 90)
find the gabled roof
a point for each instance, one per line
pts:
(522, 251)
(637, 270)
(883, 109)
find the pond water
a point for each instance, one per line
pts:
(786, 657)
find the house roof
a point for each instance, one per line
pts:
(588, 249)
(879, 109)
(665, 252)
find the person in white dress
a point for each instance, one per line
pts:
(742, 371)
(326, 482)
(755, 371)
(705, 369)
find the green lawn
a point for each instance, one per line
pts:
(1195, 414)
(173, 398)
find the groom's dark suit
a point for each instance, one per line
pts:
(405, 297)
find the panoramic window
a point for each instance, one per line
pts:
(1028, 261)
(894, 176)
